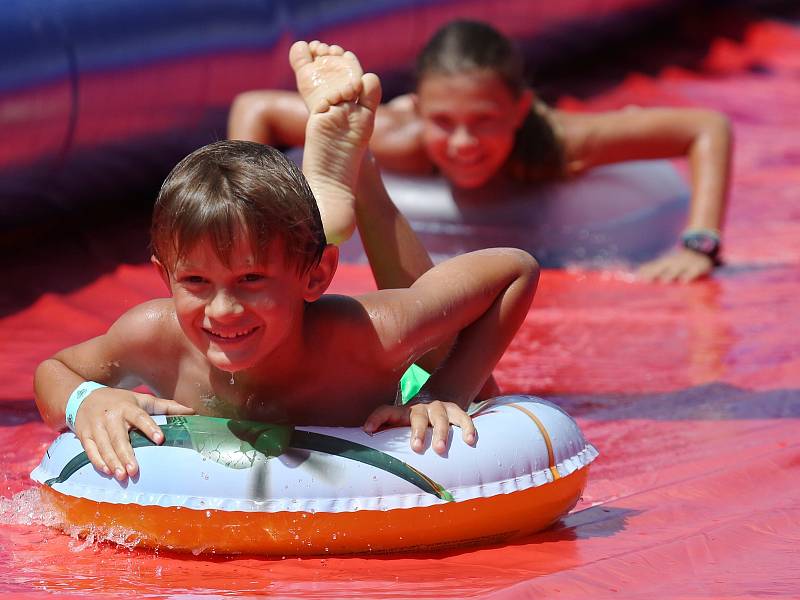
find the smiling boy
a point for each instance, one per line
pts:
(248, 331)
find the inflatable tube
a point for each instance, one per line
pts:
(225, 486)
(627, 212)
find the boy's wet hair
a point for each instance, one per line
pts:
(461, 46)
(230, 185)
(464, 45)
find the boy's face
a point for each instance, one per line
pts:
(238, 315)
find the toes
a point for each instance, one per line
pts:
(300, 54)
(322, 106)
(370, 96)
(337, 50)
(349, 93)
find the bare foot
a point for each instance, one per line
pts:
(342, 101)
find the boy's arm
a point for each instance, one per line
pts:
(395, 253)
(106, 415)
(702, 136)
(483, 298)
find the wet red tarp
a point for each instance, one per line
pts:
(691, 393)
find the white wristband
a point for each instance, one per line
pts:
(76, 398)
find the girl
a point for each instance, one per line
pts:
(473, 119)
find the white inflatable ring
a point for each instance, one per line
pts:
(225, 486)
(626, 212)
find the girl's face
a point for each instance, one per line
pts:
(469, 123)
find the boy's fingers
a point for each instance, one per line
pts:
(121, 444)
(461, 419)
(107, 453)
(419, 422)
(379, 416)
(94, 456)
(170, 407)
(437, 414)
(147, 426)
(161, 406)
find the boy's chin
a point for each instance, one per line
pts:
(231, 364)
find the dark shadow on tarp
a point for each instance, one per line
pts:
(710, 402)
(72, 254)
(679, 38)
(592, 522)
(18, 412)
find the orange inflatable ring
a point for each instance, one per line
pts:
(225, 486)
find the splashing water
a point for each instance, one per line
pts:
(30, 508)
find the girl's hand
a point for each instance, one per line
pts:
(683, 265)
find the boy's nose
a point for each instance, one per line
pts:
(223, 304)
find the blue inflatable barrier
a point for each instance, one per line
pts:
(98, 100)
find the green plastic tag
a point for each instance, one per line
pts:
(411, 382)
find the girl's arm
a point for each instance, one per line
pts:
(704, 137)
(273, 117)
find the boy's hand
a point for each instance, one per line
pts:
(421, 413)
(105, 418)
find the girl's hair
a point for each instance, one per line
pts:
(468, 46)
(461, 46)
(230, 186)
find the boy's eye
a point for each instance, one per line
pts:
(252, 277)
(192, 279)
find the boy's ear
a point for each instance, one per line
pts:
(162, 271)
(320, 276)
(524, 105)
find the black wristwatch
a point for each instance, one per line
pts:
(703, 241)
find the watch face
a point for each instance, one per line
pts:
(701, 242)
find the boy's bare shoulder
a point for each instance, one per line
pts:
(151, 325)
(354, 328)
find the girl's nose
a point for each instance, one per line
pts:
(462, 140)
(223, 305)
